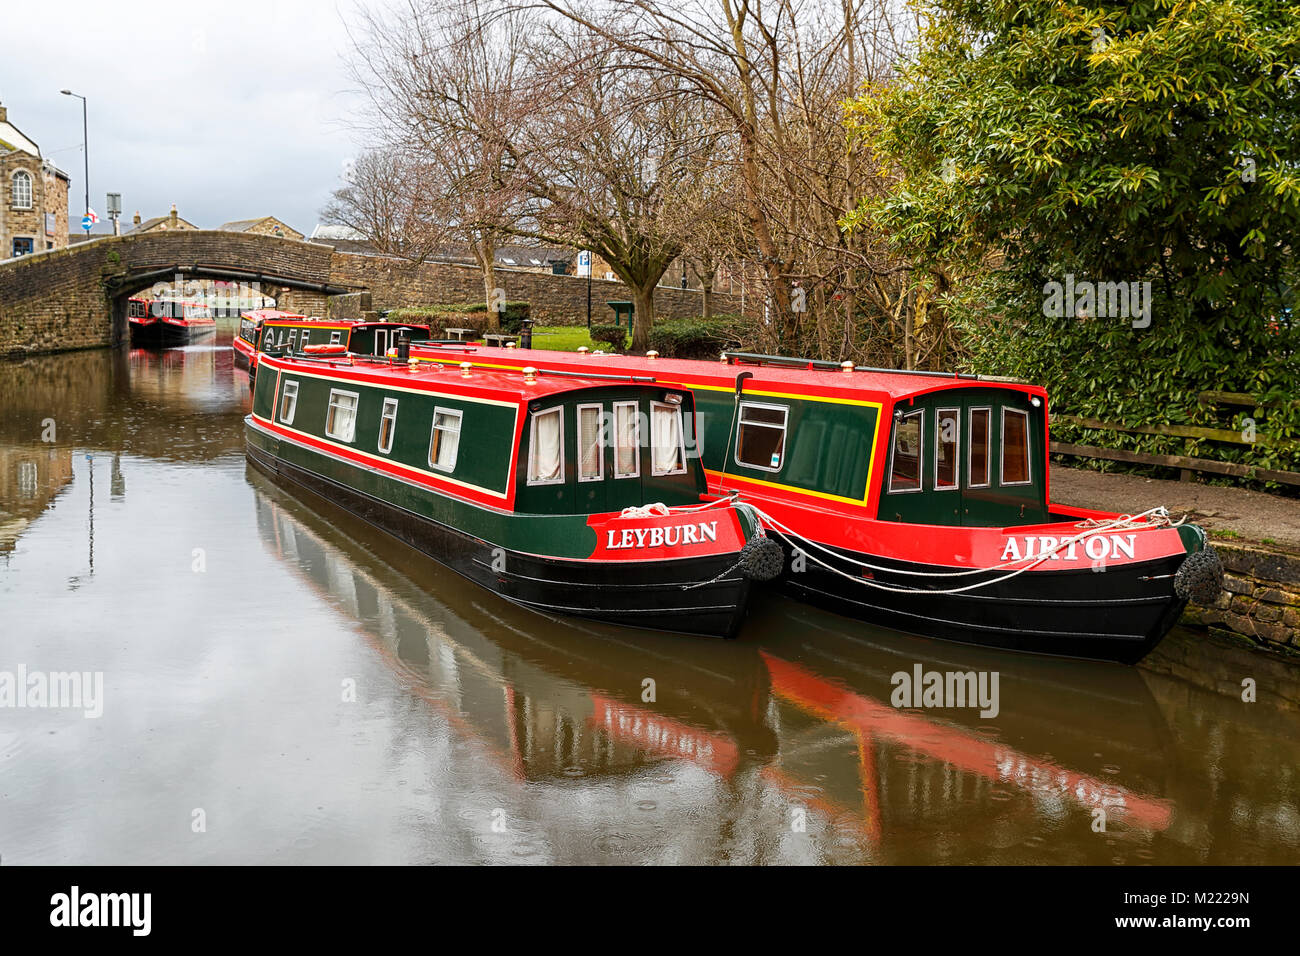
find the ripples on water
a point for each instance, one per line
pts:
(309, 690)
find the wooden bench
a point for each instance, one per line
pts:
(460, 335)
(500, 339)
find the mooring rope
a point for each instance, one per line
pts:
(1157, 517)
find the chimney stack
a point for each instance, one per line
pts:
(172, 218)
(4, 114)
(135, 221)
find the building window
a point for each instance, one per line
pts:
(23, 246)
(341, 418)
(387, 424)
(444, 443)
(22, 190)
(907, 454)
(978, 437)
(627, 440)
(947, 448)
(667, 441)
(546, 448)
(760, 443)
(591, 444)
(288, 402)
(1015, 447)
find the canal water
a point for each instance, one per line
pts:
(282, 684)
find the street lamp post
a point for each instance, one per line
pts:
(85, 148)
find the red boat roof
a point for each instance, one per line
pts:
(261, 315)
(501, 384)
(860, 383)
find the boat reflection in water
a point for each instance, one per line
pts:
(793, 721)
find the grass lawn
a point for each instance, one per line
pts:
(562, 338)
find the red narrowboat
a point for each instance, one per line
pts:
(250, 326)
(168, 322)
(918, 500)
(288, 333)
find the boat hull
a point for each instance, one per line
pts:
(1114, 614)
(644, 594)
(163, 334)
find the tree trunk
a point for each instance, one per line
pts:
(489, 291)
(707, 305)
(644, 300)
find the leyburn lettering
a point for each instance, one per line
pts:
(671, 536)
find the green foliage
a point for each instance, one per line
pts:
(1153, 141)
(473, 315)
(612, 336)
(693, 338)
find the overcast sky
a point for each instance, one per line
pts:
(231, 110)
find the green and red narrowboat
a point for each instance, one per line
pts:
(168, 322)
(566, 494)
(250, 327)
(288, 333)
(919, 501)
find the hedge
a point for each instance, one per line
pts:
(472, 315)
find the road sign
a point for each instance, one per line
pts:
(86, 223)
(584, 263)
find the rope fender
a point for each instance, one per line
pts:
(1200, 577)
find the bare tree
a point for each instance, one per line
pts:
(387, 198)
(439, 74)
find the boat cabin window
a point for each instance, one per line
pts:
(907, 455)
(444, 442)
(667, 440)
(381, 342)
(302, 341)
(136, 309)
(387, 423)
(1015, 447)
(979, 447)
(591, 443)
(546, 454)
(288, 402)
(947, 448)
(335, 338)
(627, 440)
(341, 418)
(760, 442)
(293, 340)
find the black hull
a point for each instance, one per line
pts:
(632, 594)
(1113, 615)
(162, 335)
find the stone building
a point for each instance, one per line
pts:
(265, 226)
(34, 202)
(170, 222)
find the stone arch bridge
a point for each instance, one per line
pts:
(77, 297)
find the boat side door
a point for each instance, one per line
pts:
(1002, 459)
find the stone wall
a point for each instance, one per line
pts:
(555, 300)
(1260, 599)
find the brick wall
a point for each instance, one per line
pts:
(555, 300)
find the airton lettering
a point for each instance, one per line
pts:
(1097, 547)
(671, 536)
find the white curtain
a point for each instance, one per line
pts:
(546, 456)
(626, 440)
(589, 446)
(666, 427)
